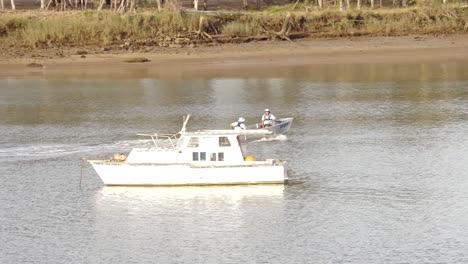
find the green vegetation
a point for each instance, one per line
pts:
(149, 27)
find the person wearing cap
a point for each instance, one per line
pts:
(239, 124)
(268, 119)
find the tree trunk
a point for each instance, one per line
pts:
(13, 6)
(358, 5)
(245, 4)
(320, 3)
(101, 4)
(42, 4)
(122, 6)
(2, 5)
(201, 24)
(341, 6)
(205, 5)
(159, 5)
(195, 4)
(372, 3)
(48, 4)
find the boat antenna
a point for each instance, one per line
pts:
(185, 123)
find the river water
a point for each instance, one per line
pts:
(378, 168)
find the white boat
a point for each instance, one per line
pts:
(205, 157)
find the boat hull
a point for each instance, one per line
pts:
(281, 127)
(126, 174)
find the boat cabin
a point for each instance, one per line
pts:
(205, 146)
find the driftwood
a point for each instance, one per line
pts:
(239, 39)
(449, 14)
(285, 28)
(201, 33)
(284, 33)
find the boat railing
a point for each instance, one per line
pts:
(167, 141)
(163, 141)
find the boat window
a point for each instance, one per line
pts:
(213, 157)
(220, 156)
(195, 156)
(193, 142)
(202, 155)
(224, 142)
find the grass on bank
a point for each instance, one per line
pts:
(149, 27)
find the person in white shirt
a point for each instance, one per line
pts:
(239, 124)
(268, 119)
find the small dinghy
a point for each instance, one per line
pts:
(280, 127)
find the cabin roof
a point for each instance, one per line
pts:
(221, 132)
(226, 132)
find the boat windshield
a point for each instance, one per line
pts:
(242, 140)
(165, 141)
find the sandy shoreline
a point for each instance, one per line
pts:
(242, 59)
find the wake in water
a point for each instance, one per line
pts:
(43, 151)
(277, 138)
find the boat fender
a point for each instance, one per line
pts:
(249, 158)
(118, 157)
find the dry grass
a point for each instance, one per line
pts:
(91, 28)
(245, 26)
(147, 27)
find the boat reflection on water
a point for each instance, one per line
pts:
(148, 197)
(170, 216)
